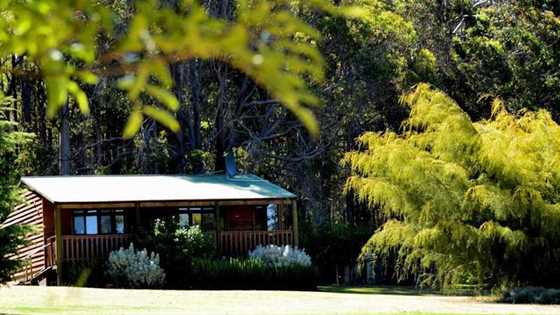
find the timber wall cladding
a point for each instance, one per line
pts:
(30, 212)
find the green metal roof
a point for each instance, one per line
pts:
(131, 188)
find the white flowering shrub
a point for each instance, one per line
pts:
(135, 269)
(281, 256)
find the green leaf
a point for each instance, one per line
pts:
(23, 26)
(80, 96)
(133, 124)
(307, 117)
(82, 100)
(164, 96)
(56, 94)
(133, 41)
(88, 77)
(126, 82)
(82, 52)
(354, 12)
(163, 117)
(161, 71)
(139, 81)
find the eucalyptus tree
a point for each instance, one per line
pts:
(369, 63)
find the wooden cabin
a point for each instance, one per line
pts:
(81, 218)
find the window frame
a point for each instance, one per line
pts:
(198, 210)
(272, 221)
(98, 213)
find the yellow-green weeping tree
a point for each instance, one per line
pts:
(464, 201)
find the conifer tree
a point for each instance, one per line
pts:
(464, 201)
(11, 236)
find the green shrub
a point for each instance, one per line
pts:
(332, 247)
(532, 295)
(192, 242)
(177, 247)
(188, 257)
(250, 273)
(186, 241)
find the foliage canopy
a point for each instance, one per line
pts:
(464, 201)
(510, 51)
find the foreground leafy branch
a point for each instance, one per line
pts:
(264, 39)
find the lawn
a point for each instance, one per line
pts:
(61, 300)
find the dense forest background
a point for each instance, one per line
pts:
(474, 51)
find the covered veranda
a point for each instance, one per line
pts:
(86, 217)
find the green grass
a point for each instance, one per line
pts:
(77, 309)
(331, 301)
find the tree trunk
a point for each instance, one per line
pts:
(41, 103)
(26, 101)
(223, 10)
(196, 102)
(179, 138)
(220, 119)
(64, 143)
(147, 165)
(12, 89)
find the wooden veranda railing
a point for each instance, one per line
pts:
(232, 243)
(89, 247)
(50, 252)
(31, 269)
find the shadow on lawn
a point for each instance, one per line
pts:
(396, 290)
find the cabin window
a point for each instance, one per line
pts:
(105, 224)
(208, 221)
(266, 218)
(184, 219)
(272, 220)
(91, 222)
(119, 221)
(204, 217)
(196, 218)
(242, 218)
(79, 225)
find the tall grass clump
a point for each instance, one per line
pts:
(250, 273)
